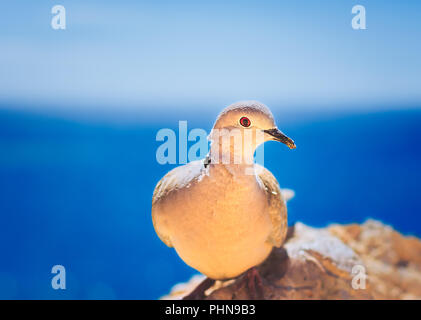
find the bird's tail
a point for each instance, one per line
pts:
(287, 194)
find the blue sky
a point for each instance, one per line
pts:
(79, 195)
(134, 54)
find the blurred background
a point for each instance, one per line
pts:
(80, 109)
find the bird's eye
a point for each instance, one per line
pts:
(245, 122)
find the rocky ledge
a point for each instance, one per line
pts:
(368, 261)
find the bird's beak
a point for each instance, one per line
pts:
(279, 136)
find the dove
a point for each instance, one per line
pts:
(224, 214)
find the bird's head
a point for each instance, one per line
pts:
(253, 117)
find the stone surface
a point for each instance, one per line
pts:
(330, 263)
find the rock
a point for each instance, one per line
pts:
(368, 261)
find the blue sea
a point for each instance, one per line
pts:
(78, 193)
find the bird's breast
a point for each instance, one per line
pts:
(221, 224)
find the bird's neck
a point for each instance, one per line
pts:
(233, 157)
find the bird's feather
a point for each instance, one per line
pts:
(178, 178)
(277, 206)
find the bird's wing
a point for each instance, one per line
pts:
(277, 206)
(159, 225)
(174, 180)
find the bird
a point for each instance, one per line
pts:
(223, 218)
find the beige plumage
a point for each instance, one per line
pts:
(220, 219)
